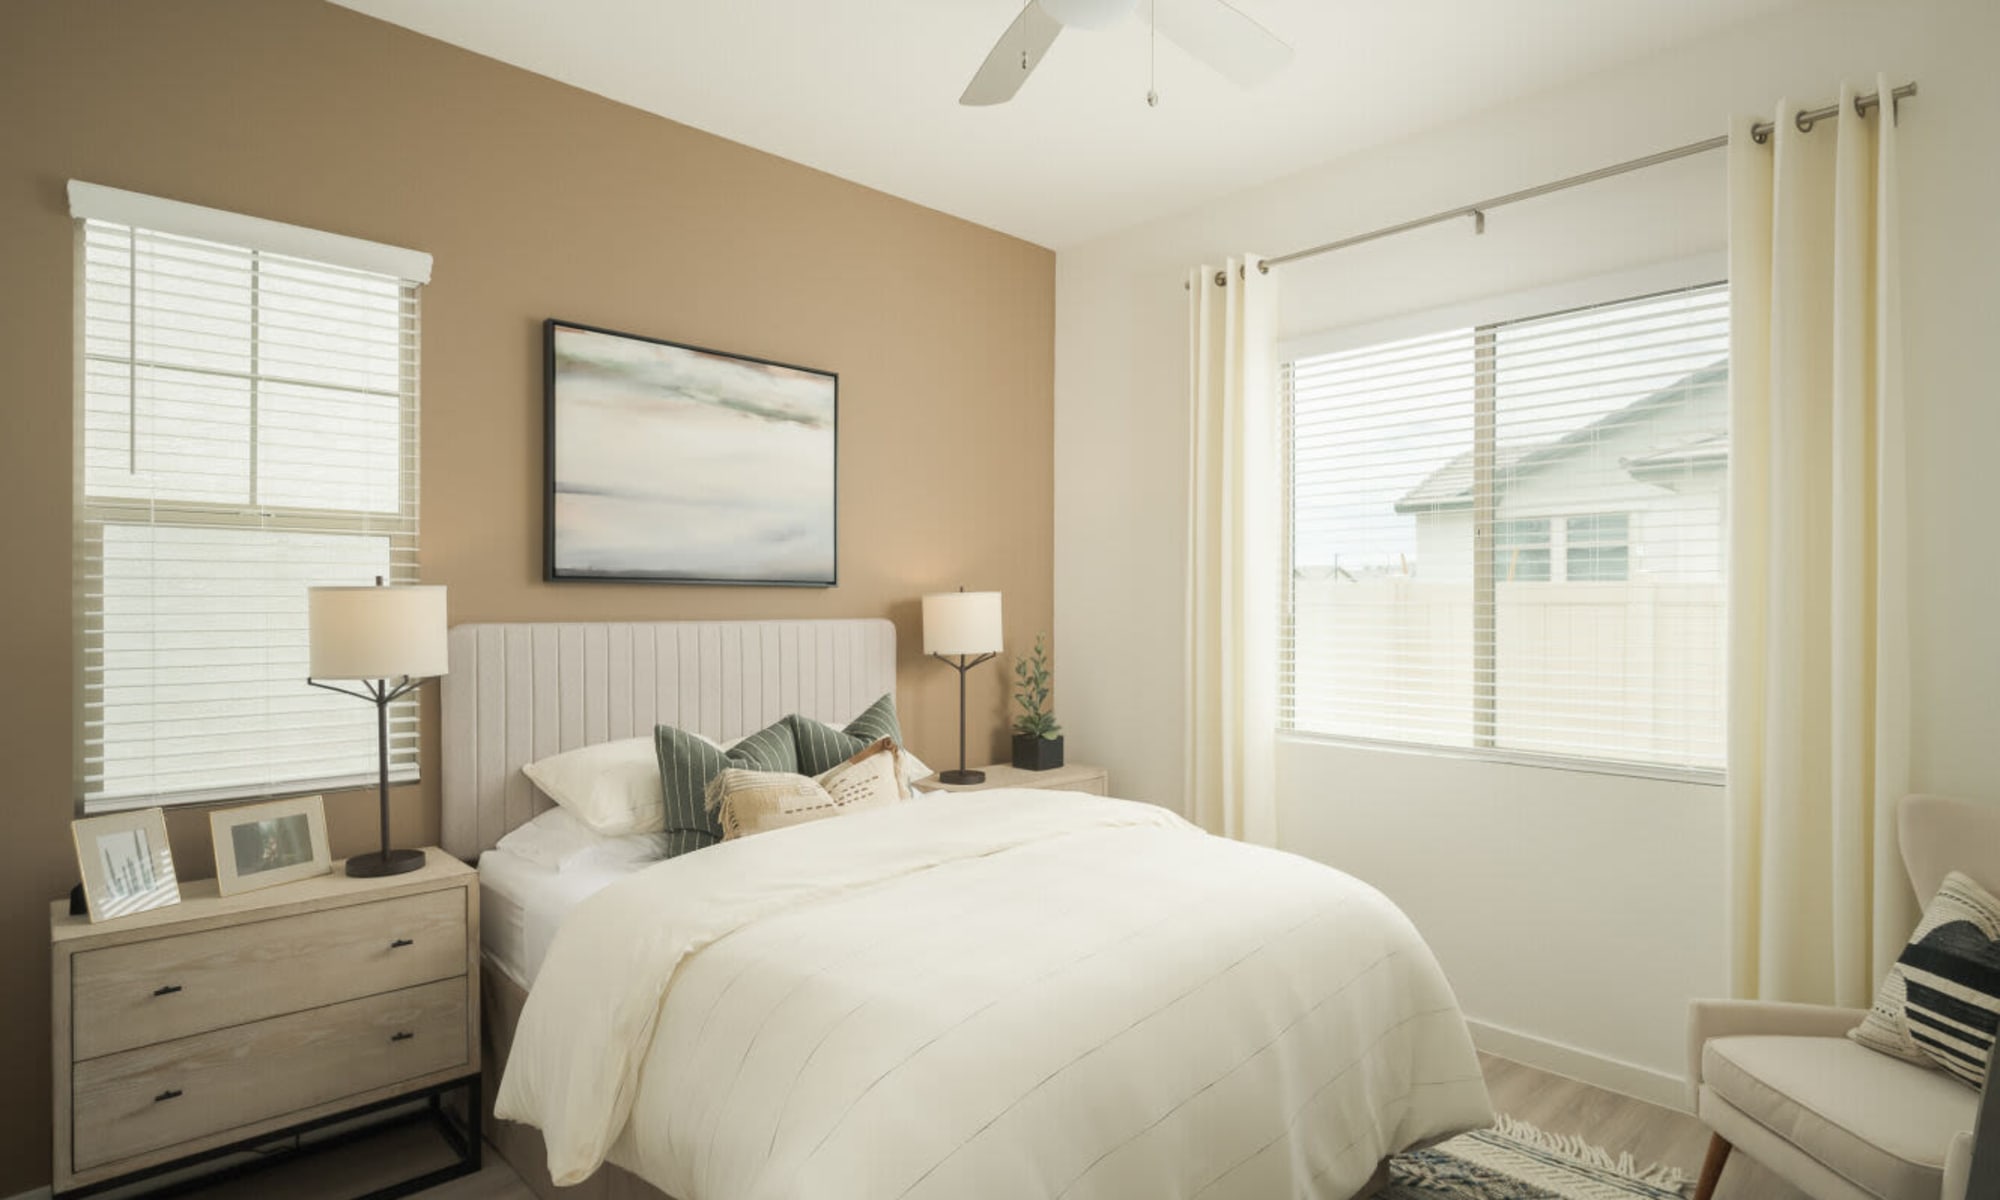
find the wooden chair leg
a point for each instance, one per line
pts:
(1711, 1167)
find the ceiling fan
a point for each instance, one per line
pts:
(1213, 31)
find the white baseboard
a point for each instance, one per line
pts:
(1611, 1074)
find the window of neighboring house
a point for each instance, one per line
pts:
(1597, 548)
(1521, 551)
(247, 427)
(1505, 538)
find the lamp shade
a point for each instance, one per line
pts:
(962, 623)
(377, 632)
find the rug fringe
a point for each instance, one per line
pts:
(1575, 1149)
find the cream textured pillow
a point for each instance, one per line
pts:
(748, 802)
(612, 787)
(873, 777)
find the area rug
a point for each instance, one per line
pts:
(1516, 1161)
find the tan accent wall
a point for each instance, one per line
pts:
(537, 200)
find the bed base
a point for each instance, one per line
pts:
(521, 1145)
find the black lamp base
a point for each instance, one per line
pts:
(377, 863)
(961, 777)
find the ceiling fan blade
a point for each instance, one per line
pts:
(1013, 57)
(1220, 35)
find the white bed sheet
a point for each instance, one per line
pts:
(523, 903)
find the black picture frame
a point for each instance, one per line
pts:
(553, 568)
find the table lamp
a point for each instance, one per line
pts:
(962, 626)
(389, 640)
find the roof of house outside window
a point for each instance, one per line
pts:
(1450, 486)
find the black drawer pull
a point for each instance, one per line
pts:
(169, 1094)
(168, 990)
(394, 1037)
(399, 943)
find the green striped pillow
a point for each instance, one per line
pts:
(688, 762)
(821, 747)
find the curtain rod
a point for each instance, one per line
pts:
(1805, 119)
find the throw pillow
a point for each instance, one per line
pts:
(689, 761)
(1940, 1004)
(822, 747)
(870, 779)
(747, 802)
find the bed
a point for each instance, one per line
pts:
(993, 994)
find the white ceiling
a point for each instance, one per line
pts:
(868, 89)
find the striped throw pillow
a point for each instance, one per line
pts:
(822, 747)
(689, 761)
(1940, 1004)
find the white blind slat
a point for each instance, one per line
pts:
(249, 430)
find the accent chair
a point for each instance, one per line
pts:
(1784, 1083)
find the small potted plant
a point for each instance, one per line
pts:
(1038, 740)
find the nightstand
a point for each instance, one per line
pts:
(1072, 777)
(212, 1025)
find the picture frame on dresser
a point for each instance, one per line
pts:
(126, 863)
(263, 845)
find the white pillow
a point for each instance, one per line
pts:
(913, 769)
(612, 787)
(558, 841)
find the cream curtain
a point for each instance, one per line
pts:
(1234, 540)
(1818, 577)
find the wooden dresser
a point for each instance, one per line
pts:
(218, 1020)
(1074, 777)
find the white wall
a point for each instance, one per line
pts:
(1578, 910)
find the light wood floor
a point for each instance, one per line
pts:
(1618, 1123)
(1621, 1124)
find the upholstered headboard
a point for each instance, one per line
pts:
(517, 693)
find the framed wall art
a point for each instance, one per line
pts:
(672, 464)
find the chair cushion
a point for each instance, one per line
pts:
(1883, 1124)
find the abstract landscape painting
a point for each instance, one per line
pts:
(671, 464)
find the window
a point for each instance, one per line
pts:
(1597, 548)
(247, 429)
(1507, 538)
(1521, 550)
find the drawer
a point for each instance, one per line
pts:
(158, 1096)
(140, 993)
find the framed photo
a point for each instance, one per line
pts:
(673, 464)
(263, 845)
(126, 864)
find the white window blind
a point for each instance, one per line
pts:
(1508, 538)
(247, 429)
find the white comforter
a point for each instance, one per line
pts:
(1005, 994)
